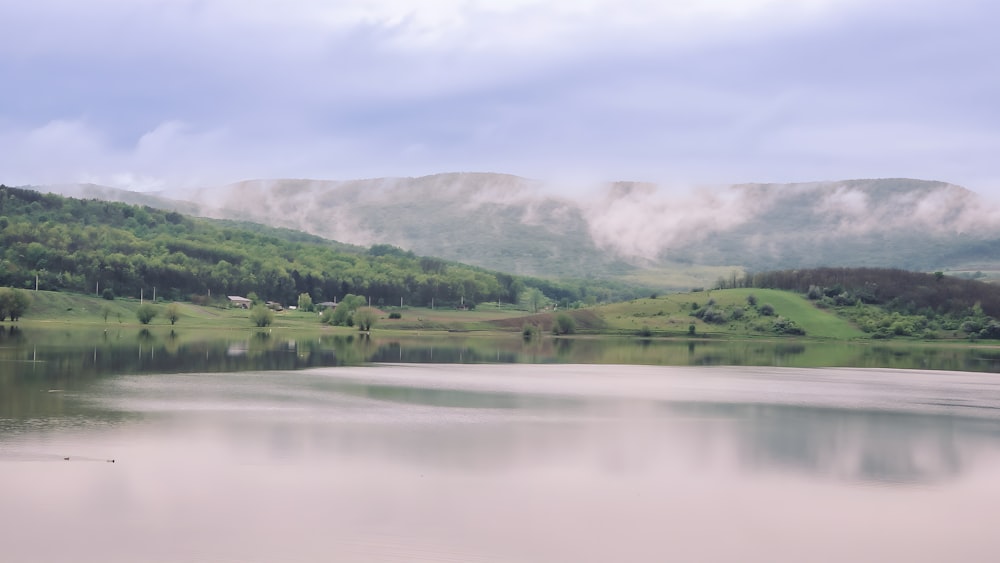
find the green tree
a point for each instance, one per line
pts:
(342, 315)
(305, 302)
(327, 316)
(352, 302)
(261, 316)
(146, 313)
(105, 312)
(173, 312)
(365, 318)
(564, 324)
(13, 303)
(534, 299)
(20, 303)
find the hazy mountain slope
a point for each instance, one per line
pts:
(894, 222)
(516, 225)
(492, 220)
(106, 193)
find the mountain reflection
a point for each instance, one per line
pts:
(874, 446)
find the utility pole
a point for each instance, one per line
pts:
(140, 296)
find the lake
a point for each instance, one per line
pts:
(158, 446)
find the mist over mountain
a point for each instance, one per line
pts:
(522, 226)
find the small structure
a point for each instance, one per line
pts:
(326, 305)
(241, 302)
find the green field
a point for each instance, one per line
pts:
(668, 315)
(50, 307)
(671, 314)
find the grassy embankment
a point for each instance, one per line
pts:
(668, 315)
(70, 309)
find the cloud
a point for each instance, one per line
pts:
(718, 91)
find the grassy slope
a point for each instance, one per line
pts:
(667, 315)
(75, 309)
(670, 314)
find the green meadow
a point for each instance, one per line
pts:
(670, 315)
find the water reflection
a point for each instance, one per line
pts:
(856, 446)
(85, 353)
(438, 462)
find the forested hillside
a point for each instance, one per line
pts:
(888, 302)
(92, 246)
(899, 290)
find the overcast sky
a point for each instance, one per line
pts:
(159, 93)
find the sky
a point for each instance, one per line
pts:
(158, 94)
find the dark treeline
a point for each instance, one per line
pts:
(91, 246)
(897, 290)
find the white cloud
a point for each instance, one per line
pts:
(193, 91)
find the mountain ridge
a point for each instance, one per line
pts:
(531, 227)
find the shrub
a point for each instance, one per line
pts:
(752, 300)
(713, 315)
(173, 312)
(341, 315)
(108, 294)
(146, 313)
(261, 316)
(767, 310)
(13, 303)
(844, 299)
(326, 317)
(528, 331)
(786, 326)
(564, 324)
(365, 319)
(645, 331)
(395, 315)
(971, 326)
(991, 330)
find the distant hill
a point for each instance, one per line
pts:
(107, 193)
(492, 220)
(87, 245)
(518, 225)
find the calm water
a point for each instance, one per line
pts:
(277, 449)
